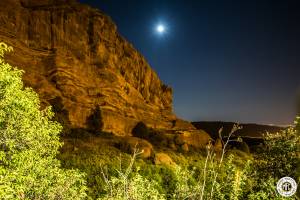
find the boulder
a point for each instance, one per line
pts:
(218, 146)
(132, 144)
(197, 139)
(184, 147)
(163, 159)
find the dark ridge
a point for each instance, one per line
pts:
(247, 131)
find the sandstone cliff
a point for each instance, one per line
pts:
(75, 59)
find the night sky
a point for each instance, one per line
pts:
(225, 60)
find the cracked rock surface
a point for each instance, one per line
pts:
(76, 61)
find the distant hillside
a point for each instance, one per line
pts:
(248, 130)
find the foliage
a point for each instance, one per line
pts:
(188, 182)
(297, 125)
(233, 175)
(129, 185)
(214, 178)
(136, 187)
(29, 143)
(280, 156)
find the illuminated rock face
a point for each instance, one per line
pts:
(75, 59)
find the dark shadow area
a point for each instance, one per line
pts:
(141, 131)
(247, 131)
(61, 114)
(94, 121)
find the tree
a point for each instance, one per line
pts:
(29, 143)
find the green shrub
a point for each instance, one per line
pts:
(130, 185)
(29, 143)
(135, 187)
(245, 148)
(297, 125)
(280, 156)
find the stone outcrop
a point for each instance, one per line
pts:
(75, 59)
(197, 139)
(133, 145)
(163, 159)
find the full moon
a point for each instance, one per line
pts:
(160, 28)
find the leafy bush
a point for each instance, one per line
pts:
(134, 187)
(280, 156)
(29, 143)
(297, 125)
(129, 185)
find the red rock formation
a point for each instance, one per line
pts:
(75, 59)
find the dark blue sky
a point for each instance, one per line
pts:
(225, 60)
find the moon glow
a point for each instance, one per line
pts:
(160, 28)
